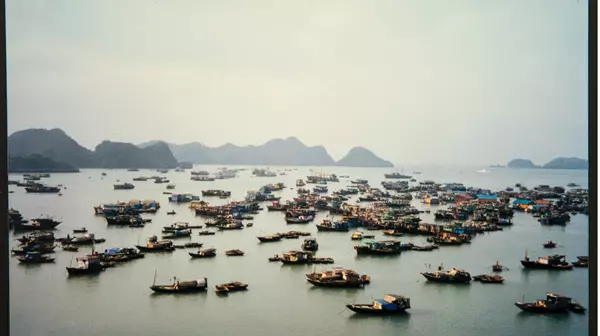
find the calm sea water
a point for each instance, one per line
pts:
(44, 301)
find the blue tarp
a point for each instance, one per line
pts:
(386, 305)
(522, 202)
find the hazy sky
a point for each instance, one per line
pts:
(416, 81)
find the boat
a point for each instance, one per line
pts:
(327, 225)
(172, 212)
(86, 266)
(207, 253)
(582, 262)
(310, 244)
(194, 286)
(206, 233)
(554, 262)
(231, 226)
(235, 286)
(249, 225)
(357, 235)
(299, 219)
(42, 189)
(41, 248)
(485, 278)
(390, 305)
(35, 258)
(397, 176)
(155, 245)
(234, 253)
(43, 223)
(70, 248)
(303, 258)
(549, 244)
(81, 230)
(385, 247)
(124, 186)
(452, 276)
(552, 304)
(178, 234)
(170, 186)
(338, 277)
(424, 247)
(483, 171)
(275, 258)
(270, 238)
(498, 268)
(300, 183)
(394, 233)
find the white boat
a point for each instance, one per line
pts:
(483, 171)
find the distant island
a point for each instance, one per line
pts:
(558, 163)
(362, 157)
(282, 152)
(56, 146)
(36, 163)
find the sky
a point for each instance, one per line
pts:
(417, 82)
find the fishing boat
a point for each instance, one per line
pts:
(234, 286)
(155, 245)
(549, 244)
(452, 276)
(338, 277)
(207, 253)
(300, 183)
(394, 233)
(170, 186)
(386, 247)
(357, 235)
(172, 212)
(310, 244)
(485, 278)
(35, 258)
(42, 189)
(70, 248)
(554, 262)
(43, 223)
(424, 247)
(231, 226)
(303, 258)
(390, 305)
(397, 176)
(206, 233)
(582, 262)
(327, 225)
(552, 304)
(38, 247)
(181, 287)
(275, 258)
(80, 230)
(299, 219)
(178, 234)
(234, 253)
(86, 266)
(270, 238)
(124, 186)
(498, 268)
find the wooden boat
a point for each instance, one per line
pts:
(70, 248)
(552, 304)
(207, 253)
(338, 277)
(171, 212)
(484, 278)
(299, 220)
(357, 235)
(155, 245)
(275, 258)
(582, 262)
(234, 253)
(327, 225)
(555, 262)
(41, 248)
(549, 244)
(181, 287)
(310, 244)
(81, 230)
(206, 233)
(390, 305)
(235, 286)
(386, 247)
(86, 266)
(35, 258)
(178, 234)
(249, 224)
(498, 268)
(424, 247)
(393, 233)
(269, 238)
(452, 276)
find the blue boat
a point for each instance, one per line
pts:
(389, 305)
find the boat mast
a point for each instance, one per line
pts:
(154, 281)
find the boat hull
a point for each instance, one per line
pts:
(181, 290)
(535, 265)
(335, 284)
(528, 307)
(85, 271)
(154, 249)
(368, 310)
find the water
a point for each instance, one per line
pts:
(44, 301)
